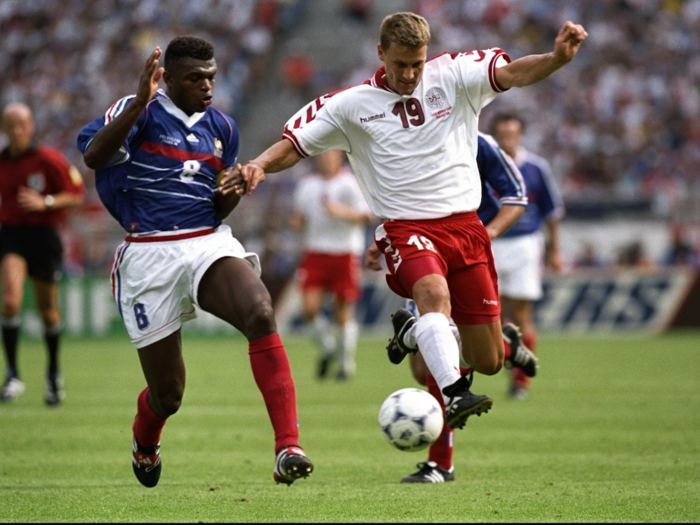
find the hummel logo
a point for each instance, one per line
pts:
(192, 138)
(486, 301)
(373, 117)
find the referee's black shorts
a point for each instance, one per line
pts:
(40, 247)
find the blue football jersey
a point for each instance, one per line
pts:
(544, 200)
(501, 181)
(164, 176)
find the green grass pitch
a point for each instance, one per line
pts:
(611, 433)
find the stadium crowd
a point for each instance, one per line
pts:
(620, 124)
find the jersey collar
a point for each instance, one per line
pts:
(170, 107)
(379, 80)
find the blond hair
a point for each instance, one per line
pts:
(404, 29)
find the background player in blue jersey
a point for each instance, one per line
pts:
(503, 201)
(520, 253)
(158, 156)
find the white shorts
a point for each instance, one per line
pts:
(155, 277)
(520, 264)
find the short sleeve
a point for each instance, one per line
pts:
(314, 128)
(477, 71)
(88, 132)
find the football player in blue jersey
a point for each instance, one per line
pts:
(503, 201)
(520, 254)
(159, 157)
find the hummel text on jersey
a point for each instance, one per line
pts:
(373, 117)
(488, 301)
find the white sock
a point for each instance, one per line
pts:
(439, 348)
(409, 337)
(348, 344)
(324, 334)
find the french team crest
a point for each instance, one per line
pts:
(218, 148)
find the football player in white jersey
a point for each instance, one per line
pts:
(330, 208)
(411, 138)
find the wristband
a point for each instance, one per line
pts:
(48, 201)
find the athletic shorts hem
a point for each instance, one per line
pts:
(164, 331)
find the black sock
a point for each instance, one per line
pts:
(10, 336)
(51, 336)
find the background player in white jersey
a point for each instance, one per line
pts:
(330, 208)
(411, 137)
(520, 253)
(157, 158)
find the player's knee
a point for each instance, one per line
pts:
(260, 321)
(50, 316)
(168, 402)
(11, 305)
(489, 364)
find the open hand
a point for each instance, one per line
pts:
(150, 76)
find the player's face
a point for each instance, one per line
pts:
(404, 66)
(509, 134)
(190, 86)
(18, 125)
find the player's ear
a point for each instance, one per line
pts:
(167, 78)
(380, 52)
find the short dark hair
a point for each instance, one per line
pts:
(505, 117)
(188, 46)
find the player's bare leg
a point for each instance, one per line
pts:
(232, 291)
(46, 294)
(13, 273)
(482, 347)
(164, 370)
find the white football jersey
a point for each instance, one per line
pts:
(323, 233)
(414, 156)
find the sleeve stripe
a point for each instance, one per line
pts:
(492, 70)
(295, 143)
(117, 108)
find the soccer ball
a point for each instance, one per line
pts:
(411, 419)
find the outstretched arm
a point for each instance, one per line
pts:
(277, 157)
(110, 138)
(533, 68)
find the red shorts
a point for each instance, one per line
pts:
(337, 273)
(456, 247)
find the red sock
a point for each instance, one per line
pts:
(506, 346)
(148, 425)
(274, 379)
(520, 380)
(440, 451)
